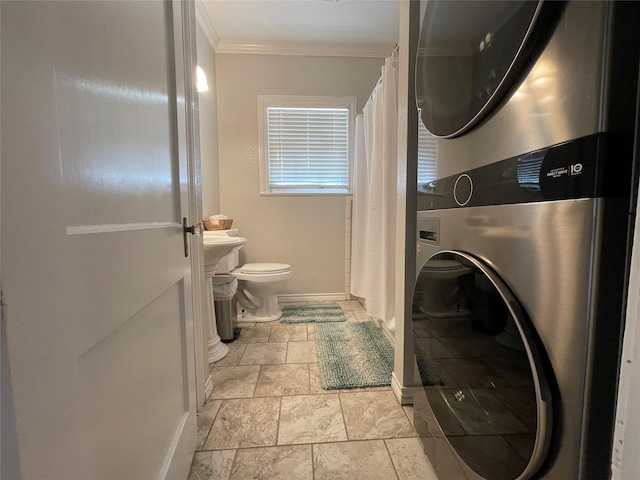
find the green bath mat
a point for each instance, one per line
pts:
(353, 355)
(359, 354)
(319, 313)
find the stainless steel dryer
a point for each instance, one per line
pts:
(523, 234)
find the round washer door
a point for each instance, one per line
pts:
(470, 55)
(482, 371)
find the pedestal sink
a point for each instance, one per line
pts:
(216, 247)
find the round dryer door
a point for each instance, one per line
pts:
(470, 55)
(482, 371)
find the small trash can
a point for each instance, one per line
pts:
(224, 302)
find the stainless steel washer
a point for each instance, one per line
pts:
(534, 178)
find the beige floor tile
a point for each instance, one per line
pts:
(288, 333)
(360, 316)
(287, 379)
(351, 317)
(366, 460)
(205, 420)
(253, 334)
(315, 385)
(350, 305)
(357, 307)
(211, 465)
(234, 382)
(302, 352)
(274, 463)
(370, 415)
(242, 423)
(311, 332)
(233, 357)
(410, 460)
(264, 353)
(311, 418)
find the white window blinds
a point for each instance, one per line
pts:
(427, 155)
(308, 148)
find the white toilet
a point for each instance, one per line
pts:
(438, 281)
(258, 288)
(258, 285)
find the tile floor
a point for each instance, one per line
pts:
(268, 417)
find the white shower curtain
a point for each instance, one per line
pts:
(374, 199)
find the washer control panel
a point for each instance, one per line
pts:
(463, 189)
(582, 168)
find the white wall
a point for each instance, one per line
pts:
(307, 232)
(626, 442)
(208, 106)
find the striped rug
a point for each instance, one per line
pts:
(316, 313)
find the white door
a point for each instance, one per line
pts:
(98, 328)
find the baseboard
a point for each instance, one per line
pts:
(208, 387)
(311, 297)
(390, 335)
(403, 394)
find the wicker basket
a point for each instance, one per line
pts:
(221, 225)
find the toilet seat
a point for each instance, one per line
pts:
(264, 268)
(263, 272)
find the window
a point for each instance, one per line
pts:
(305, 144)
(427, 155)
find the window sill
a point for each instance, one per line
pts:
(306, 194)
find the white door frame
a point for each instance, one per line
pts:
(203, 380)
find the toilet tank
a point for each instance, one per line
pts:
(231, 261)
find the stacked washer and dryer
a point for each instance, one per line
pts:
(523, 234)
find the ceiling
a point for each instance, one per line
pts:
(322, 27)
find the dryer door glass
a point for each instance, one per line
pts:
(469, 55)
(481, 368)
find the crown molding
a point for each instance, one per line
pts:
(306, 49)
(205, 22)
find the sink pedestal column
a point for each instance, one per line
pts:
(217, 349)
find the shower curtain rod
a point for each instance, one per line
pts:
(395, 49)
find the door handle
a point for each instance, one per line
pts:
(193, 230)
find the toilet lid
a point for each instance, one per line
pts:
(442, 265)
(260, 268)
